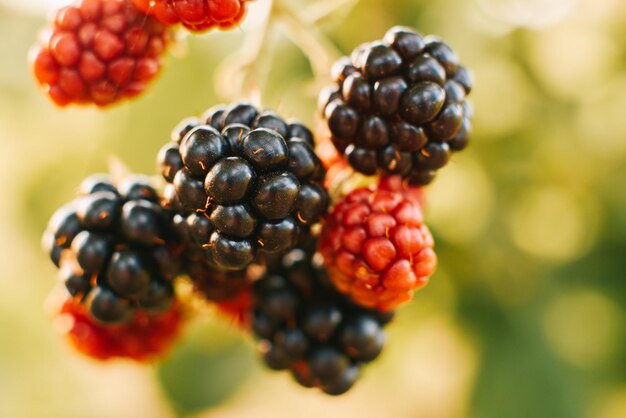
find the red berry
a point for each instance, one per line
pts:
(144, 338)
(376, 247)
(196, 15)
(238, 309)
(100, 52)
(397, 184)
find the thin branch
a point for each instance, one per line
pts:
(320, 10)
(237, 77)
(319, 50)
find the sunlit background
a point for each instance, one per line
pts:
(525, 317)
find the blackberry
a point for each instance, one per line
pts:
(398, 106)
(196, 15)
(213, 285)
(143, 338)
(245, 182)
(305, 326)
(376, 246)
(99, 52)
(116, 249)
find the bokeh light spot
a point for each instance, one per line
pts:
(582, 327)
(461, 203)
(552, 224)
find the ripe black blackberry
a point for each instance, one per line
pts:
(399, 106)
(114, 247)
(211, 283)
(246, 182)
(304, 325)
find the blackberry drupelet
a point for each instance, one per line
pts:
(304, 325)
(115, 248)
(245, 182)
(398, 106)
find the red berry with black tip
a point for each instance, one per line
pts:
(398, 106)
(99, 52)
(376, 247)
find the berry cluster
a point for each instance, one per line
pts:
(244, 210)
(196, 15)
(247, 182)
(115, 249)
(305, 326)
(399, 106)
(100, 52)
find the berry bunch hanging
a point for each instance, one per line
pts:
(245, 211)
(398, 106)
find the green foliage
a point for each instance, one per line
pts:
(201, 375)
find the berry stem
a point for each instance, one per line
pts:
(319, 50)
(238, 77)
(118, 169)
(320, 10)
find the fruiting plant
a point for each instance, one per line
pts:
(307, 246)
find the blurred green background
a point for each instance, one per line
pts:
(525, 316)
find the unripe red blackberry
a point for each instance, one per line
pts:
(247, 183)
(196, 15)
(377, 248)
(99, 52)
(305, 326)
(143, 338)
(116, 249)
(398, 106)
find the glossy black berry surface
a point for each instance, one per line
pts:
(251, 175)
(305, 326)
(116, 248)
(399, 106)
